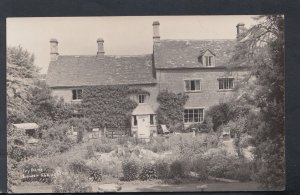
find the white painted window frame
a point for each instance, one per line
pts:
(230, 89)
(190, 108)
(192, 79)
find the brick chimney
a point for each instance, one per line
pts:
(156, 37)
(240, 29)
(100, 53)
(53, 49)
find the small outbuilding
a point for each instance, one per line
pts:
(30, 131)
(143, 123)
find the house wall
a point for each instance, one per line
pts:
(66, 94)
(173, 80)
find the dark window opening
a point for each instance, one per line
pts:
(192, 85)
(134, 121)
(193, 115)
(142, 98)
(77, 94)
(226, 83)
(151, 119)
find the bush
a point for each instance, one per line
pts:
(169, 112)
(130, 170)
(162, 170)
(78, 167)
(204, 127)
(70, 183)
(95, 174)
(158, 144)
(200, 166)
(104, 147)
(240, 170)
(177, 170)
(148, 172)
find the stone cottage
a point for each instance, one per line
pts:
(195, 67)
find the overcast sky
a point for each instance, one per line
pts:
(122, 35)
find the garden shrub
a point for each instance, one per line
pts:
(200, 166)
(241, 170)
(177, 170)
(104, 147)
(130, 169)
(162, 169)
(224, 112)
(71, 183)
(169, 112)
(204, 127)
(148, 172)
(157, 144)
(95, 174)
(78, 167)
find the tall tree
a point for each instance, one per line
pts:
(262, 46)
(19, 78)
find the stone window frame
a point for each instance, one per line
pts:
(192, 79)
(211, 58)
(194, 108)
(143, 98)
(76, 94)
(224, 89)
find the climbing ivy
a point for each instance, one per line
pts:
(170, 110)
(110, 106)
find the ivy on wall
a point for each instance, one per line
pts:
(170, 110)
(110, 106)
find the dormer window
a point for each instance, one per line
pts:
(207, 58)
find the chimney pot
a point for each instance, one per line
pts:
(100, 53)
(240, 29)
(156, 37)
(53, 49)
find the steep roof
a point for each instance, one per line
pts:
(185, 53)
(89, 70)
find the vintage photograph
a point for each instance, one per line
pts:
(145, 104)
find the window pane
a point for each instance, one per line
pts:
(141, 98)
(206, 61)
(197, 84)
(220, 84)
(151, 119)
(74, 94)
(134, 121)
(79, 94)
(187, 85)
(231, 84)
(192, 85)
(201, 115)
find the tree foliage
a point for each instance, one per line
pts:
(264, 45)
(171, 107)
(20, 75)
